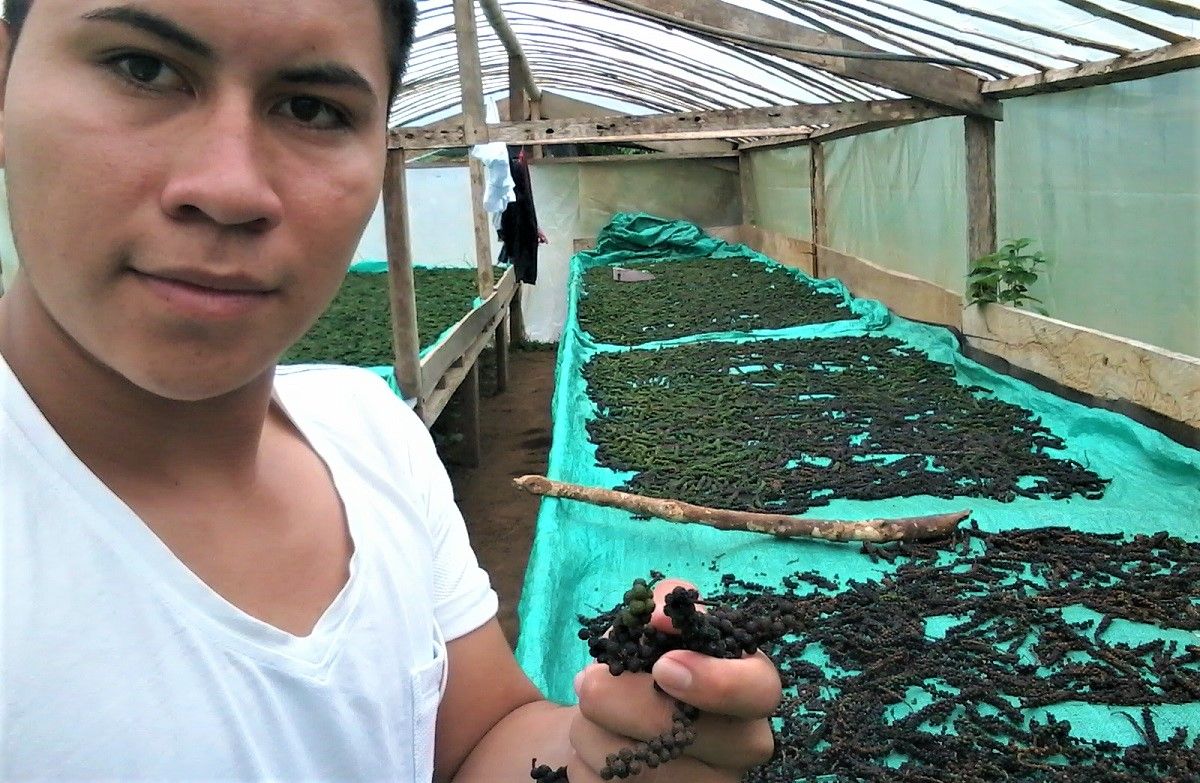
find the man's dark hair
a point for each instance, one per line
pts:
(399, 24)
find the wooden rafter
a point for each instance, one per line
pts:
(954, 88)
(1137, 65)
(765, 121)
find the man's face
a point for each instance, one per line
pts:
(188, 179)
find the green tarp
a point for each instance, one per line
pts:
(585, 556)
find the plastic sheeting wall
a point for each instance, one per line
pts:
(781, 185)
(441, 232)
(574, 201)
(1107, 181)
(898, 198)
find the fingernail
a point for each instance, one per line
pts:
(672, 675)
(578, 682)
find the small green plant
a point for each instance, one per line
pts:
(1006, 275)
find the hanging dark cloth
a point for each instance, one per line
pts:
(518, 230)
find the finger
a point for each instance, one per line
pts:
(593, 745)
(741, 687)
(629, 706)
(660, 620)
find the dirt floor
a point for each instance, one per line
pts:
(515, 435)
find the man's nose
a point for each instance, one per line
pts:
(221, 171)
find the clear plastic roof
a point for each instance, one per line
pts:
(599, 51)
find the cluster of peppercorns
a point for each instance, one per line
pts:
(544, 773)
(624, 640)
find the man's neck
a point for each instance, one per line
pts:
(120, 430)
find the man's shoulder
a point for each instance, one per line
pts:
(339, 389)
(353, 405)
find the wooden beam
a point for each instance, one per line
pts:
(474, 326)
(952, 87)
(474, 132)
(758, 121)
(773, 141)
(1136, 65)
(405, 340)
(817, 181)
(495, 17)
(981, 187)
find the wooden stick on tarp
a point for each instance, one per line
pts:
(780, 525)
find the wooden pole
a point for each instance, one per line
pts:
(746, 181)
(468, 398)
(817, 171)
(535, 113)
(518, 106)
(780, 525)
(516, 317)
(405, 340)
(502, 333)
(471, 79)
(981, 187)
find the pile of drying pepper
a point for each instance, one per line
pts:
(699, 296)
(785, 425)
(356, 329)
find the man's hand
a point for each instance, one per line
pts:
(735, 697)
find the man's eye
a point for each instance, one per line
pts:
(148, 71)
(313, 112)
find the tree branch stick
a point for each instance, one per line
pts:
(780, 525)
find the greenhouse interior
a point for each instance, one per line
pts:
(878, 319)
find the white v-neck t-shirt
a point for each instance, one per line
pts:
(117, 663)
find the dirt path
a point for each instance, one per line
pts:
(515, 431)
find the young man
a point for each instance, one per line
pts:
(211, 569)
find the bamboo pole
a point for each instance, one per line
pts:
(779, 525)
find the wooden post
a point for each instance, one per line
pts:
(518, 109)
(502, 332)
(468, 397)
(746, 181)
(405, 340)
(817, 169)
(981, 187)
(516, 317)
(535, 113)
(471, 78)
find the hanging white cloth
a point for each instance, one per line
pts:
(499, 189)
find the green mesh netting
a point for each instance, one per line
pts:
(584, 556)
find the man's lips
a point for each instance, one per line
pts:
(201, 279)
(205, 296)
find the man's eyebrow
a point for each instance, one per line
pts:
(327, 74)
(154, 24)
